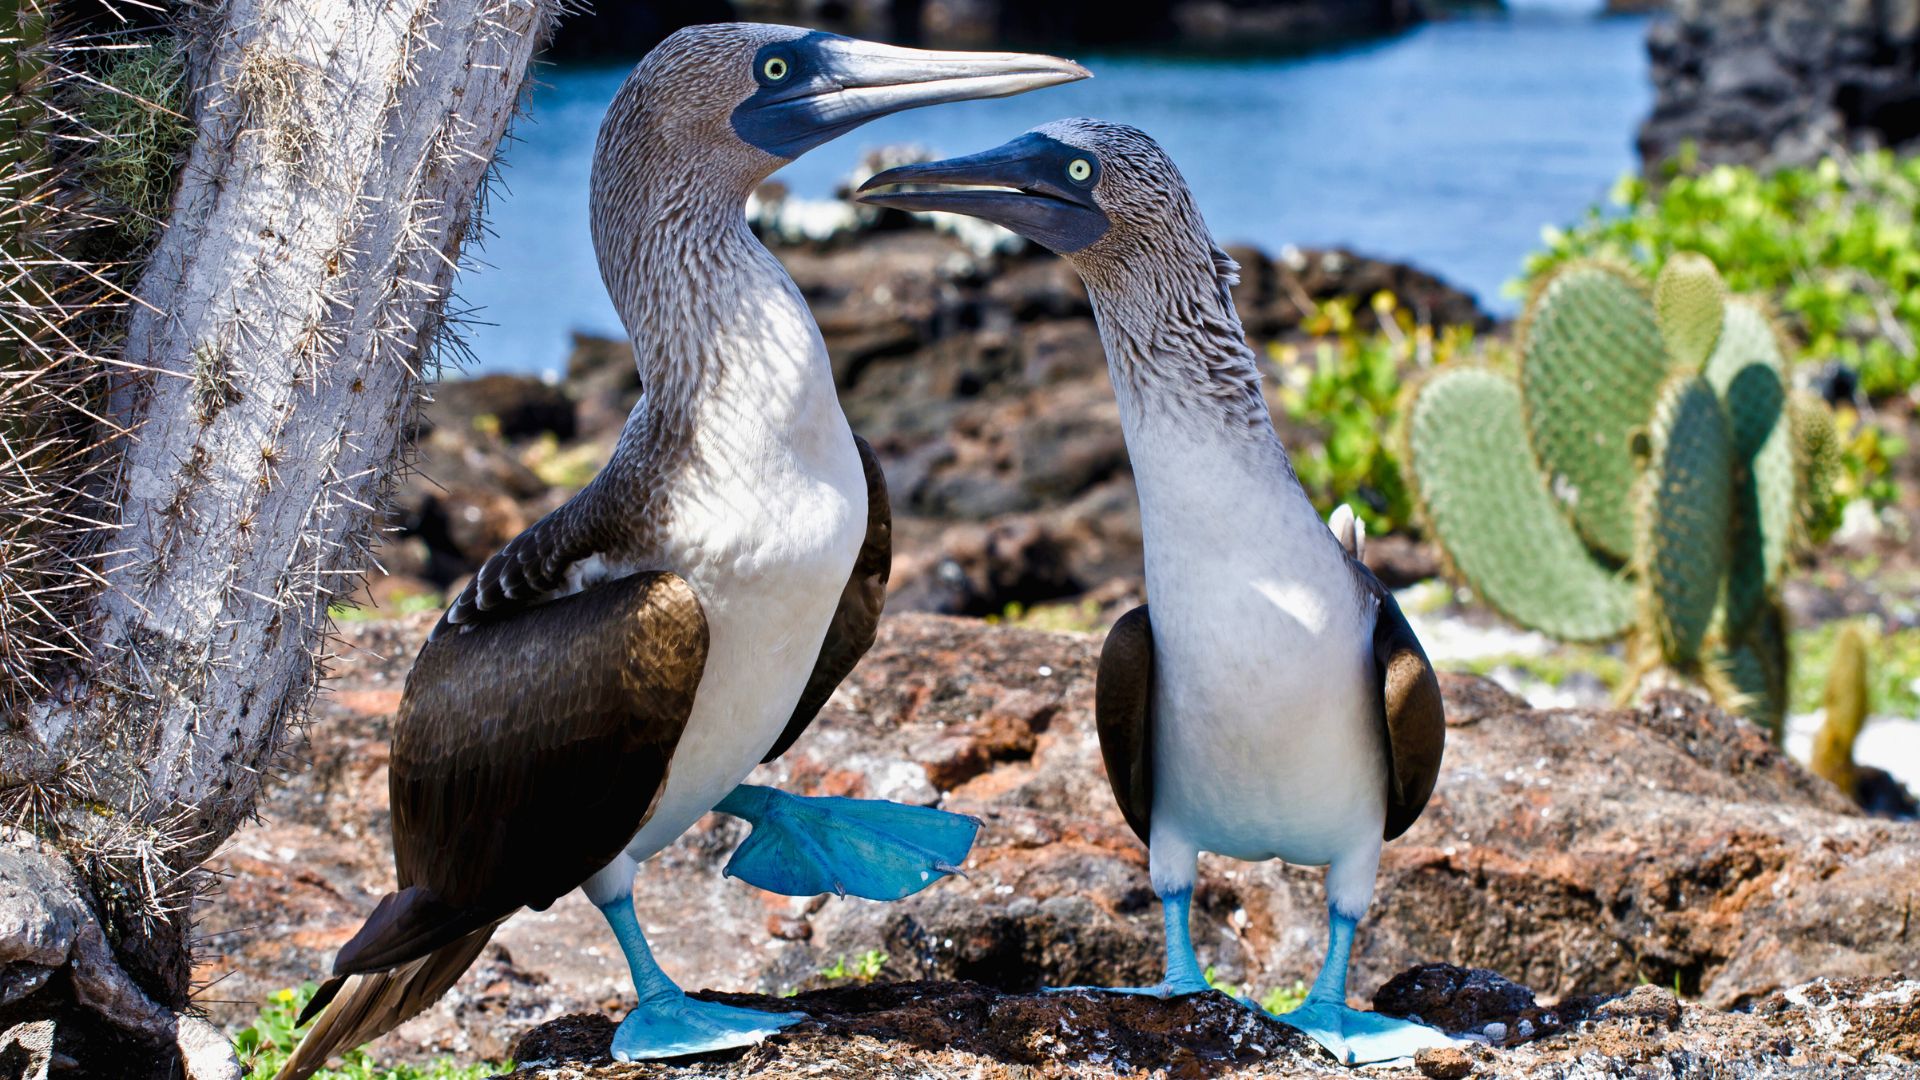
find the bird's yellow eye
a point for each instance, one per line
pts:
(1079, 169)
(775, 68)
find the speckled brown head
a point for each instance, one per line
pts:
(735, 101)
(1109, 199)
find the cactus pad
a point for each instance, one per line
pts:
(1467, 454)
(1748, 370)
(1754, 671)
(1592, 364)
(1684, 502)
(1816, 459)
(1689, 302)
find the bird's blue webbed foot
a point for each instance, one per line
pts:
(674, 1025)
(1183, 967)
(1350, 1035)
(667, 1023)
(804, 846)
(1360, 1038)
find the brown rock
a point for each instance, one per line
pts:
(519, 406)
(1464, 1001)
(1443, 1063)
(1575, 851)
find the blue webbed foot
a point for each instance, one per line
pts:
(804, 846)
(675, 1025)
(1361, 1038)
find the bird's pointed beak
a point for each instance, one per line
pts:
(1021, 185)
(840, 83)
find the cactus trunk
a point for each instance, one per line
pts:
(302, 274)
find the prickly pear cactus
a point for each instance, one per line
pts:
(1592, 365)
(1468, 443)
(1646, 474)
(1685, 502)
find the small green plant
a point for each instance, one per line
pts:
(865, 968)
(1646, 475)
(1279, 999)
(269, 1041)
(1346, 384)
(1834, 246)
(132, 115)
(1285, 999)
(1082, 618)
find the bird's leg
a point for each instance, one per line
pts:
(667, 1023)
(1174, 867)
(1351, 1035)
(879, 850)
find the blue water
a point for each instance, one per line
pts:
(1449, 146)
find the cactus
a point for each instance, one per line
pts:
(1469, 442)
(1588, 377)
(1685, 501)
(1646, 475)
(1847, 706)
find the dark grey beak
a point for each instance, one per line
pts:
(1023, 185)
(834, 84)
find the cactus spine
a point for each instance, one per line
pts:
(1645, 476)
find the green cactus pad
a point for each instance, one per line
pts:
(1816, 459)
(1490, 509)
(1683, 503)
(1749, 371)
(1756, 669)
(1591, 367)
(1689, 301)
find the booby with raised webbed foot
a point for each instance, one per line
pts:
(1275, 703)
(621, 666)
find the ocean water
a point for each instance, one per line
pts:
(1449, 146)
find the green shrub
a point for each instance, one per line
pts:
(133, 114)
(268, 1042)
(1835, 246)
(1346, 385)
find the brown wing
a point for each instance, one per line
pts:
(533, 566)
(857, 619)
(1411, 709)
(1122, 712)
(526, 754)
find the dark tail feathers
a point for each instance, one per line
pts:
(355, 1009)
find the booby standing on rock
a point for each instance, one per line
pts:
(1275, 704)
(620, 667)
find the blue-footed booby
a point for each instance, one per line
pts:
(1275, 704)
(619, 668)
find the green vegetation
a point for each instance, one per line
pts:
(865, 968)
(1836, 246)
(1081, 618)
(132, 114)
(1892, 665)
(399, 603)
(1280, 999)
(1847, 704)
(565, 467)
(269, 1041)
(1346, 384)
(1645, 475)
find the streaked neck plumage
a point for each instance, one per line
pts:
(1204, 451)
(731, 363)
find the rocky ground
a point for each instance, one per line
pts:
(1579, 852)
